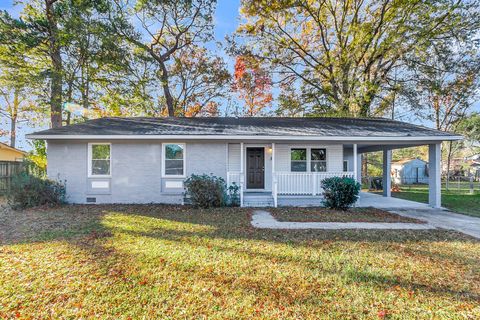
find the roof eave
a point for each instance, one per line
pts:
(241, 137)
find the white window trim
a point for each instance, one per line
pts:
(309, 157)
(184, 175)
(90, 174)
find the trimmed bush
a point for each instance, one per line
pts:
(340, 192)
(28, 191)
(206, 191)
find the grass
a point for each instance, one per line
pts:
(130, 262)
(329, 215)
(456, 200)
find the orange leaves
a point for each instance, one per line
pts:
(208, 110)
(253, 84)
(192, 111)
(240, 69)
(382, 314)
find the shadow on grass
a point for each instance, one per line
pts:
(71, 221)
(228, 230)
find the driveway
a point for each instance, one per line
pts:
(439, 218)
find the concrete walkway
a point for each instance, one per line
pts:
(440, 218)
(435, 218)
(444, 219)
(368, 199)
(263, 219)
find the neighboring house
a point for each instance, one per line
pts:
(410, 171)
(464, 167)
(275, 161)
(8, 153)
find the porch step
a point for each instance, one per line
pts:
(258, 201)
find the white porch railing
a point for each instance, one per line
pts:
(290, 183)
(234, 177)
(302, 183)
(237, 178)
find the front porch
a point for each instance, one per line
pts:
(276, 174)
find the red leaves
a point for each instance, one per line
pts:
(240, 69)
(253, 84)
(382, 314)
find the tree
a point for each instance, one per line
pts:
(199, 81)
(16, 90)
(65, 50)
(16, 108)
(160, 29)
(341, 55)
(470, 127)
(253, 84)
(444, 87)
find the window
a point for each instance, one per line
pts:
(298, 159)
(318, 160)
(174, 160)
(345, 165)
(99, 163)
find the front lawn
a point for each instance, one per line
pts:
(329, 215)
(458, 201)
(166, 262)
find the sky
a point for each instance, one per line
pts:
(226, 21)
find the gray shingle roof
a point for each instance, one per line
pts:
(252, 126)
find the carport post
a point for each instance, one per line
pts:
(387, 168)
(434, 171)
(358, 159)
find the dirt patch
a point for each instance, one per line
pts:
(293, 214)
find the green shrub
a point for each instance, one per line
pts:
(234, 195)
(27, 191)
(206, 191)
(340, 193)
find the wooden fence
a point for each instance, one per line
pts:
(7, 171)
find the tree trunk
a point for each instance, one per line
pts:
(13, 119)
(57, 68)
(449, 157)
(365, 164)
(166, 90)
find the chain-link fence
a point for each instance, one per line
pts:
(460, 185)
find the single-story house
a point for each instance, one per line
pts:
(410, 171)
(11, 154)
(275, 161)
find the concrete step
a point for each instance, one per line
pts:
(258, 201)
(258, 204)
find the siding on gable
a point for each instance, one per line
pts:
(334, 156)
(348, 155)
(234, 157)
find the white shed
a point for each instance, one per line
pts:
(410, 171)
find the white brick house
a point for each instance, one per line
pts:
(275, 161)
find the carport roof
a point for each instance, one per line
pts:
(281, 128)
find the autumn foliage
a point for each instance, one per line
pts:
(253, 84)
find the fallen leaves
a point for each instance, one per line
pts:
(177, 262)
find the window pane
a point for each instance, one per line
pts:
(319, 154)
(319, 166)
(345, 165)
(100, 151)
(174, 167)
(299, 166)
(299, 154)
(100, 167)
(173, 151)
